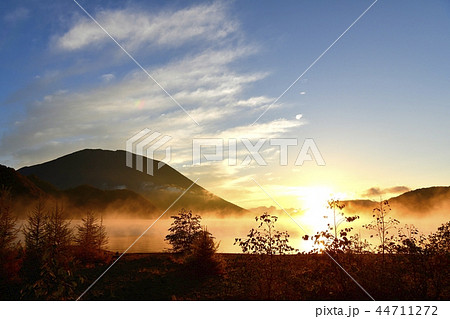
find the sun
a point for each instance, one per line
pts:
(313, 202)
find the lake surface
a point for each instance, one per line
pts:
(122, 233)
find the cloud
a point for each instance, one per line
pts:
(134, 29)
(205, 79)
(106, 114)
(108, 77)
(17, 15)
(373, 191)
(256, 102)
(376, 191)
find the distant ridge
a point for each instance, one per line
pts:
(418, 202)
(424, 199)
(18, 184)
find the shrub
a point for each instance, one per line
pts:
(183, 230)
(203, 259)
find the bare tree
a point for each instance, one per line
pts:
(265, 239)
(91, 237)
(382, 224)
(8, 229)
(56, 279)
(8, 236)
(34, 231)
(266, 242)
(58, 233)
(336, 238)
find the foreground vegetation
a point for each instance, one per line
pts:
(59, 262)
(165, 276)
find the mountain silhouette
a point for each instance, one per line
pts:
(107, 171)
(424, 199)
(416, 202)
(18, 184)
(26, 191)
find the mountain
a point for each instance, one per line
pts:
(18, 184)
(108, 202)
(26, 191)
(416, 202)
(106, 170)
(424, 200)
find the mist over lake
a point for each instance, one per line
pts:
(123, 232)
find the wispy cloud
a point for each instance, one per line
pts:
(109, 111)
(107, 77)
(135, 29)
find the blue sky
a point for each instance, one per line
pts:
(376, 104)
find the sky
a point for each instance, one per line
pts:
(376, 104)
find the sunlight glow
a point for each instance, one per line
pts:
(314, 204)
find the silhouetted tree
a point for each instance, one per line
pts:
(203, 259)
(335, 239)
(56, 279)
(185, 227)
(58, 233)
(438, 248)
(35, 241)
(265, 239)
(266, 242)
(439, 242)
(8, 229)
(382, 224)
(358, 245)
(91, 238)
(411, 241)
(8, 247)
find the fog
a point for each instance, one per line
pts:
(124, 226)
(123, 232)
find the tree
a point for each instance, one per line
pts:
(265, 239)
(58, 234)
(56, 279)
(203, 259)
(266, 242)
(8, 229)
(438, 248)
(184, 228)
(35, 241)
(439, 242)
(382, 224)
(91, 238)
(337, 243)
(34, 229)
(335, 239)
(358, 245)
(8, 235)
(411, 241)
